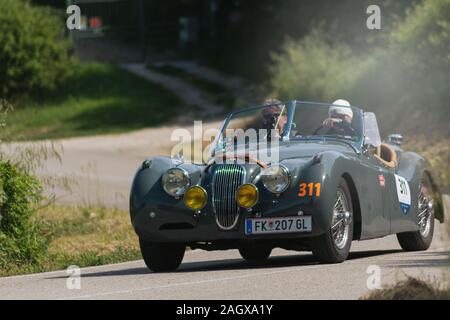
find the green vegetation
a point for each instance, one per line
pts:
(220, 95)
(33, 55)
(402, 81)
(78, 236)
(98, 98)
(20, 240)
(410, 289)
(36, 235)
(245, 46)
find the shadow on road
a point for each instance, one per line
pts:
(237, 264)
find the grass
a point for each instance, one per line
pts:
(82, 237)
(220, 95)
(98, 99)
(410, 289)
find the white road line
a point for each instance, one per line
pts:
(63, 271)
(189, 252)
(250, 275)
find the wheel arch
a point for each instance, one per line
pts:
(357, 219)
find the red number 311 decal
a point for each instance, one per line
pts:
(309, 189)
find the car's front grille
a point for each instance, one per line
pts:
(225, 182)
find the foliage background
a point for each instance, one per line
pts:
(34, 55)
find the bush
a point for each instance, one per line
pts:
(424, 36)
(20, 241)
(406, 82)
(33, 53)
(410, 289)
(314, 69)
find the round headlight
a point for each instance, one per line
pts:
(276, 179)
(176, 181)
(247, 195)
(195, 198)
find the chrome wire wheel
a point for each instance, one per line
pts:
(425, 207)
(340, 224)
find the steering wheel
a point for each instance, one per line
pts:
(317, 130)
(353, 132)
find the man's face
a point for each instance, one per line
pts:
(344, 117)
(275, 118)
(273, 115)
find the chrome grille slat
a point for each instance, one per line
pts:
(226, 179)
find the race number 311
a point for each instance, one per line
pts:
(309, 189)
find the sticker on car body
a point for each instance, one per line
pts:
(382, 180)
(403, 193)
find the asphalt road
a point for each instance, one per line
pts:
(224, 275)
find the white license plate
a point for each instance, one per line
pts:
(277, 225)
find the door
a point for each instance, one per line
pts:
(373, 200)
(377, 220)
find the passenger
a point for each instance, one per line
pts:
(340, 118)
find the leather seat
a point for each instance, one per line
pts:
(386, 155)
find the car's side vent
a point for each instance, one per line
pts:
(225, 182)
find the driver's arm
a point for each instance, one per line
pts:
(347, 127)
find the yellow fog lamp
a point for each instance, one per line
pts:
(195, 198)
(247, 195)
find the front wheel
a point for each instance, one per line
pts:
(334, 245)
(255, 253)
(420, 240)
(162, 257)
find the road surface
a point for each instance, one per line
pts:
(224, 275)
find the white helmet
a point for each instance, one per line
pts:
(341, 106)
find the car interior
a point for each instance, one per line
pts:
(386, 155)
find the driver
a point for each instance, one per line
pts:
(340, 118)
(274, 116)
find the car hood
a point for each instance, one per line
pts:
(295, 149)
(308, 148)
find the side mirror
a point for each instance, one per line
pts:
(395, 138)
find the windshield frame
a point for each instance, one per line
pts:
(291, 105)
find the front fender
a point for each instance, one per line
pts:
(146, 186)
(326, 168)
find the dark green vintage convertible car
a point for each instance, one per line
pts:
(296, 175)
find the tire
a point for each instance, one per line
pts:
(417, 240)
(162, 257)
(255, 253)
(324, 247)
(413, 241)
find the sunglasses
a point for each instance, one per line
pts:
(271, 115)
(338, 116)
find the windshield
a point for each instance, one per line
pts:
(267, 122)
(271, 123)
(317, 120)
(254, 132)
